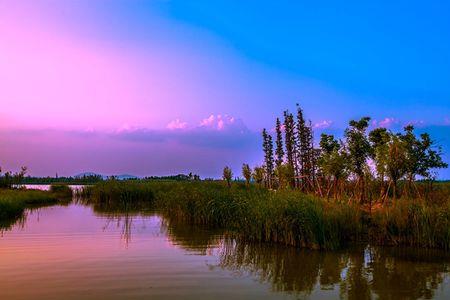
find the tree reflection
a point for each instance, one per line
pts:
(356, 273)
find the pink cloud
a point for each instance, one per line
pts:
(386, 122)
(218, 122)
(176, 124)
(323, 124)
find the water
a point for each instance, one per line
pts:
(81, 252)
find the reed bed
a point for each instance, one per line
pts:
(253, 213)
(287, 217)
(14, 202)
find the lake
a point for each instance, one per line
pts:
(83, 252)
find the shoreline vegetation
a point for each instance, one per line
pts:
(286, 217)
(361, 188)
(14, 201)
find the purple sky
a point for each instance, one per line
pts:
(162, 87)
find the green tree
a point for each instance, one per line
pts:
(333, 163)
(396, 162)
(290, 141)
(285, 175)
(258, 175)
(247, 173)
(227, 175)
(380, 139)
(422, 155)
(359, 150)
(268, 157)
(279, 151)
(305, 152)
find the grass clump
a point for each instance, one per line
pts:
(288, 217)
(253, 213)
(412, 223)
(14, 202)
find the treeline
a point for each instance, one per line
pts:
(85, 179)
(362, 166)
(179, 177)
(9, 179)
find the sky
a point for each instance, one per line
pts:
(162, 87)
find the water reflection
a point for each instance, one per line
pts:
(356, 273)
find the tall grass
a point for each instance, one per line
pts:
(286, 217)
(13, 202)
(256, 214)
(412, 223)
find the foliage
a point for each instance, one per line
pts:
(247, 173)
(268, 157)
(227, 175)
(288, 216)
(258, 175)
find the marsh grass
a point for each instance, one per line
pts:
(253, 213)
(13, 202)
(286, 217)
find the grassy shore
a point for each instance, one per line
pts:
(13, 202)
(286, 217)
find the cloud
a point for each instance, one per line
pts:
(216, 131)
(176, 124)
(222, 123)
(385, 123)
(323, 124)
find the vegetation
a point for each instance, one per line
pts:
(85, 179)
(14, 201)
(288, 217)
(227, 175)
(365, 166)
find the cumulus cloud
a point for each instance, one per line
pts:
(323, 124)
(176, 124)
(215, 131)
(223, 123)
(386, 122)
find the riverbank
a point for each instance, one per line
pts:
(286, 217)
(13, 202)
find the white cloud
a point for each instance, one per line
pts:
(323, 124)
(176, 124)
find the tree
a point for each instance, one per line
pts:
(332, 162)
(305, 152)
(227, 175)
(279, 151)
(247, 173)
(285, 175)
(379, 139)
(396, 162)
(258, 175)
(268, 157)
(359, 150)
(421, 155)
(289, 140)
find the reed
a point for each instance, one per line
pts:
(287, 217)
(14, 202)
(253, 213)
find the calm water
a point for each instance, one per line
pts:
(80, 252)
